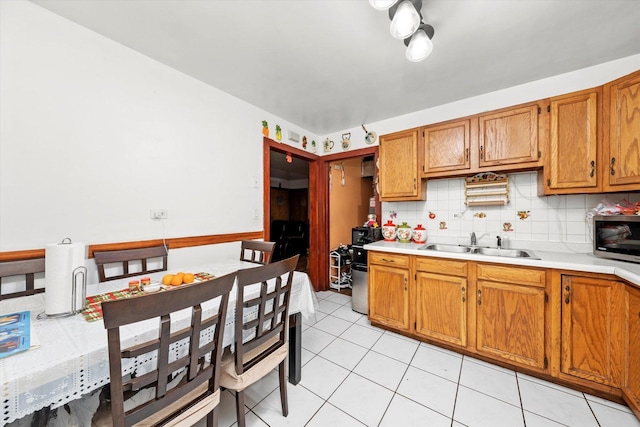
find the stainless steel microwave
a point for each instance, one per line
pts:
(617, 237)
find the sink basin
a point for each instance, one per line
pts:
(510, 253)
(460, 249)
(447, 248)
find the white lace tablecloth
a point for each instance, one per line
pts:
(72, 359)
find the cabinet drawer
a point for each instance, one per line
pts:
(521, 276)
(386, 258)
(438, 265)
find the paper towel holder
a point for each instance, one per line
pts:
(79, 273)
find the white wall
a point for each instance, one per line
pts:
(93, 135)
(556, 221)
(552, 222)
(533, 91)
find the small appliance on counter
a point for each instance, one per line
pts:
(617, 237)
(359, 270)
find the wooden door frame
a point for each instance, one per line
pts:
(318, 202)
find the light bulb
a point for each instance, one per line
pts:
(420, 46)
(382, 4)
(406, 21)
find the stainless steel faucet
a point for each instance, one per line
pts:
(474, 241)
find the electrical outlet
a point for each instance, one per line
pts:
(256, 214)
(159, 214)
(254, 181)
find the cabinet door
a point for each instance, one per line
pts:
(398, 156)
(446, 147)
(508, 137)
(389, 296)
(510, 323)
(592, 329)
(632, 384)
(441, 312)
(573, 143)
(624, 133)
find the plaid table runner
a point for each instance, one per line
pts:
(93, 311)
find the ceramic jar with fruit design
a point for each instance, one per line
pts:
(404, 233)
(389, 231)
(420, 234)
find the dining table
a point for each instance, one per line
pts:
(71, 355)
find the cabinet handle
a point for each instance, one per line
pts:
(593, 168)
(481, 152)
(567, 293)
(405, 284)
(415, 184)
(387, 260)
(479, 296)
(466, 154)
(613, 162)
(464, 294)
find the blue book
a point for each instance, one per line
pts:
(15, 333)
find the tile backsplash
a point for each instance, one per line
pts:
(526, 218)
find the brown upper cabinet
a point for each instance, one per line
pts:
(501, 140)
(573, 157)
(509, 137)
(399, 174)
(622, 171)
(447, 147)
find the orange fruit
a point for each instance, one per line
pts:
(166, 280)
(187, 278)
(177, 280)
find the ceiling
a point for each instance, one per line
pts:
(331, 65)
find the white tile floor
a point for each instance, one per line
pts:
(354, 374)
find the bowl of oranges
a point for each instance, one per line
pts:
(178, 279)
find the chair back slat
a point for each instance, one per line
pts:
(123, 259)
(27, 268)
(266, 317)
(257, 251)
(198, 375)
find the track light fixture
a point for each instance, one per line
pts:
(419, 45)
(405, 18)
(407, 25)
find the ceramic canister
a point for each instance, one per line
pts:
(404, 233)
(389, 231)
(420, 234)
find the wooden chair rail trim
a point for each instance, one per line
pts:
(173, 243)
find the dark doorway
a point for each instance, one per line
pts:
(289, 207)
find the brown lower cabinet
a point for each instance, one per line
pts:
(389, 279)
(592, 329)
(441, 300)
(578, 329)
(510, 315)
(631, 386)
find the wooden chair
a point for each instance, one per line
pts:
(127, 256)
(27, 268)
(257, 251)
(198, 393)
(264, 320)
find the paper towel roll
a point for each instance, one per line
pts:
(60, 261)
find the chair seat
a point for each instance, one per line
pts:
(103, 417)
(230, 379)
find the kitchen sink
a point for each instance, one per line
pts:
(447, 248)
(510, 253)
(461, 249)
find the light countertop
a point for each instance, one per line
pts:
(584, 262)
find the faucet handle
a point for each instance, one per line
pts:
(499, 239)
